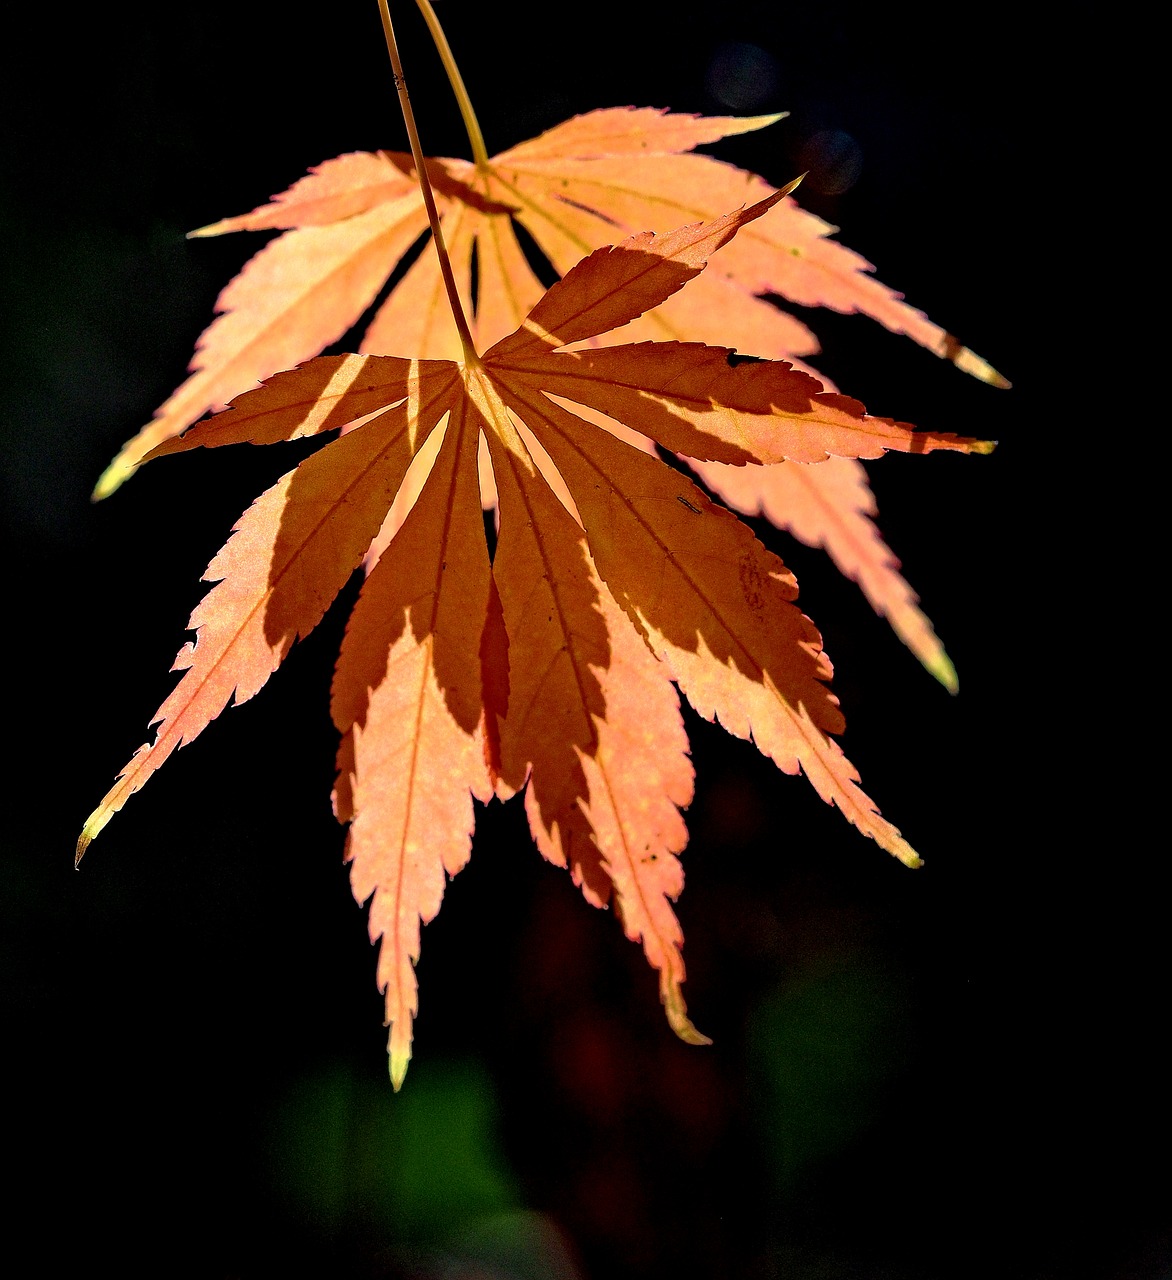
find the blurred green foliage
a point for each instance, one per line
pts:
(416, 1165)
(824, 1049)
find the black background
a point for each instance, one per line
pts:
(952, 1072)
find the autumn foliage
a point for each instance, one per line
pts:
(550, 665)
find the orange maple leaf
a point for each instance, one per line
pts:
(551, 667)
(350, 222)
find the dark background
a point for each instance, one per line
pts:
(915, 1076)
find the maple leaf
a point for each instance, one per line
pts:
(551, 668)
(351, 221)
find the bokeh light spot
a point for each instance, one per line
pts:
(742, 76)
(832, 161)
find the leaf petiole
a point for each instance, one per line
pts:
(471, 356)
(456, 80)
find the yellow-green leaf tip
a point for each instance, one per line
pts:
(972, 364)
(748, 123)
(677, 1017)
(397, 1063)
(83, 843)
(93, 825)
(899, 848)
(212, 229)
(116, 474)
(940, 666)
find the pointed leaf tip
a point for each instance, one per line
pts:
(397, 1063)
(974, 365)
(114, 476)
(678, 1020)
(749, 123)
(93, 826)
(942, 668)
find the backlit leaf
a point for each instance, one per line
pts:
(553, 669)
(586, 182)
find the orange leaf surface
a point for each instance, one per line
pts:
(580, 185)
(832, 506)
(553, 671)
(592, 720)
(296, 296)
(289, 556)
(713, 604)
(407, 698)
